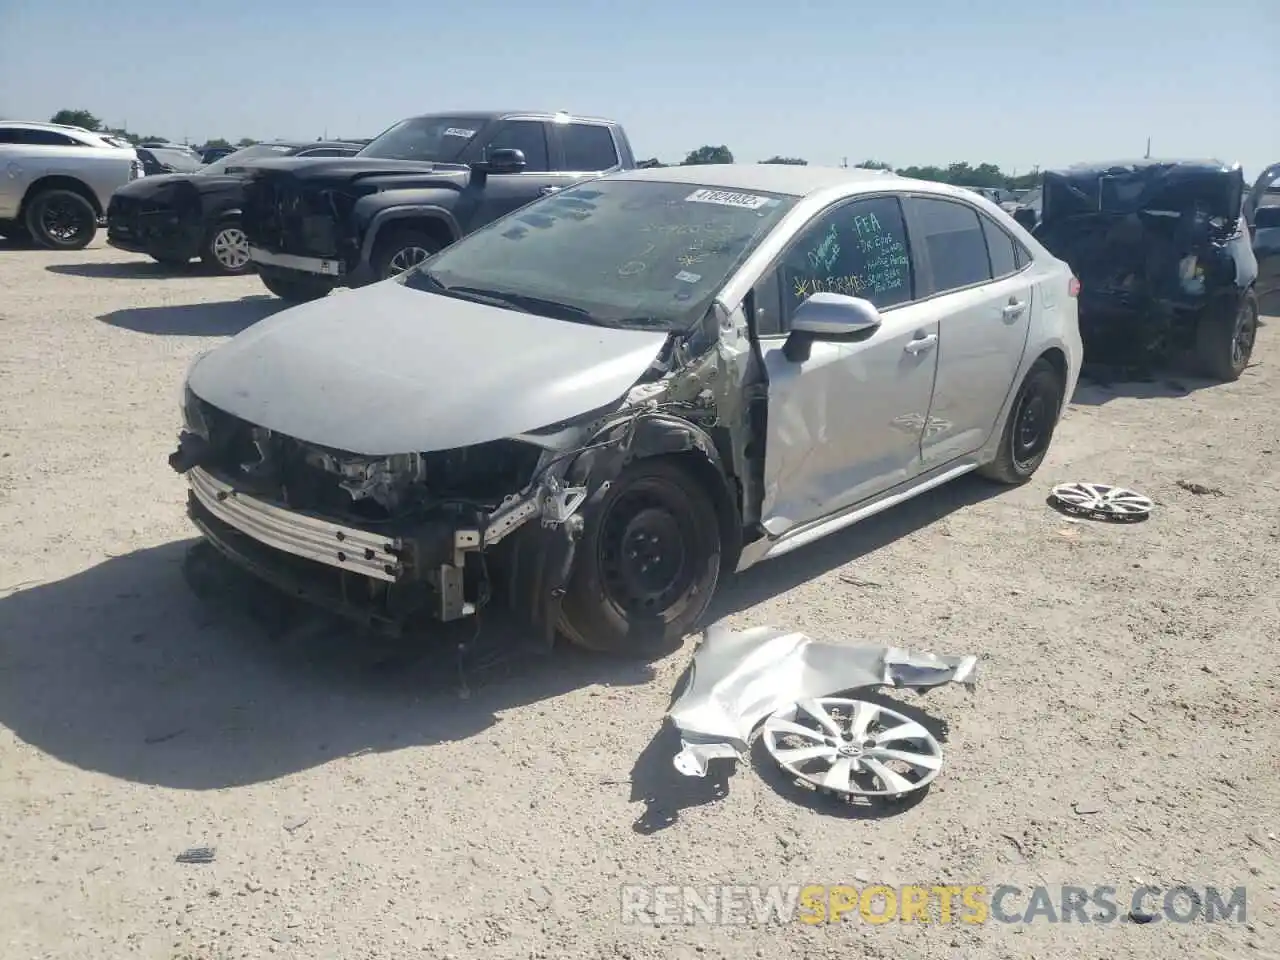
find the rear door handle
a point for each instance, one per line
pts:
(921, 344)
(1015, 308)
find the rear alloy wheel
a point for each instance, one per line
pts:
(61, 220)
(226, 249)
(402, 250)
(647, 563)
(295, 287)
(1225, 337)
(1029, 430)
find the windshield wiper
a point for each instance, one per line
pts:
(523, 302)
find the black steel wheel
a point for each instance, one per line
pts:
(61, 220)
(1225, 338)
(647, 563)
(1029, 430)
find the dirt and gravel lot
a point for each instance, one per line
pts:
(362, 804)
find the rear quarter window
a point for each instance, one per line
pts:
(1002, 249)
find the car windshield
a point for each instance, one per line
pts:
(248, 153)
(438, 139)
(619, 253)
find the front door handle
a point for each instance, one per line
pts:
(921, 344)
(547, 191)
(1014, 309)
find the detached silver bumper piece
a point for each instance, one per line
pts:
(737, 679)
(318, 265)
(311, 538)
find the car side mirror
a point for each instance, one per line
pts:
(503, 160)
(830, 317)
(1266, 218)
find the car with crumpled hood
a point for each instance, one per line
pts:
(1164, 259)
(597, 405)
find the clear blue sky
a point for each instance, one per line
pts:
(918, 82)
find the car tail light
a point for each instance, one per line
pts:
(1073, 287)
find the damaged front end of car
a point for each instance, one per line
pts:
(390, 541)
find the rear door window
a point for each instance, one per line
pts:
(953, 242)
(588, 147)
(527, 136)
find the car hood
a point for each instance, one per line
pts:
(146, 188)
(352, 169)
(386, 369)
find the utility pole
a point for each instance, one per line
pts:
(1148, 156)
(844, 161)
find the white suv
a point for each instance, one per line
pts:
(56, 181)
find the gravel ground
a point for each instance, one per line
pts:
(364, 804)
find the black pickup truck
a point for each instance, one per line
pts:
(313, 225)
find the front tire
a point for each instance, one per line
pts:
(1225, 338)
(1029, 430)
(226, 249)
(401, 250)
(647, 563)
(61, 220)
(295, 287)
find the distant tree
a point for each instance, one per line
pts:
(708, 154)
(792, 161)
(216, 142)
(154, 140)
(76, 118)
(872, 165)
(245, 142)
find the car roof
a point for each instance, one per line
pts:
(94, 135)
(1146, 163)
(787, 179)
(491, 115)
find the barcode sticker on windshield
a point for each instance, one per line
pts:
(459, 132)
(726, 198)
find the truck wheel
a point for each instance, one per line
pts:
(295, 287)
(647, 563)
(1029, 430)
(402, 249)
(226, 248)
(1224, 338)
(61, 220)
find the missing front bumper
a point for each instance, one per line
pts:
(346, 548)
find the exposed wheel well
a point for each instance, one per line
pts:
(58, 182)
(433, 227)
(1058, 360)
(709, 477)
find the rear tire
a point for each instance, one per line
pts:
(295, 287)
(61, 220)
(647, 563)
(402, 249)
(1029, 429)
(1225, 338)
(226, 249)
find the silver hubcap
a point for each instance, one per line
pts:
(405, 259)
(852, 747)
(231, 248)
